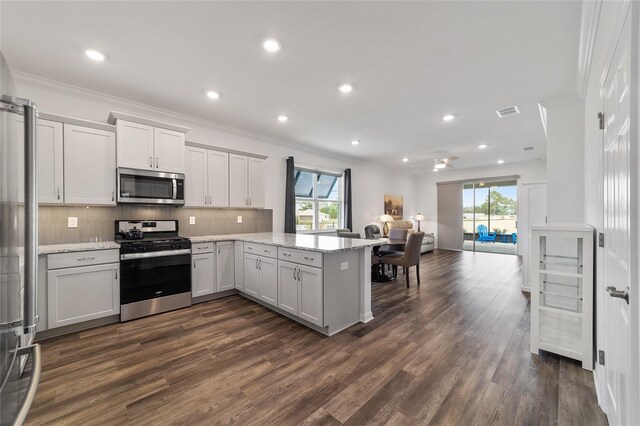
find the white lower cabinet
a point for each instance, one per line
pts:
(300, 291)
(203, 276)
(261, 278)
(81, 294)
(239, 265)
(225, 265)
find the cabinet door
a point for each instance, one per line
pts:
(288, 287)
(256, 182)
(225, 265)
(268, 280)
(50, 161)
(195, 192)
(135, 145)
(168, 147)
(203, 279)
(81, 294)
(89, 166)
(238, 181)
(310, 299)
(251, 276)
(239, 275)
(218, 184)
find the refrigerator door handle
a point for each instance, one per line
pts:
(33, 381)
(31, 218)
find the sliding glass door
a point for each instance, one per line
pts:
(490, 216)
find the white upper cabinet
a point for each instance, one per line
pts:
(256, 182)
(135, 145)
(218, 182)
(89, 166)
(168, 148)
(148, 144)
(196, 180)
(50, 162)
(238, 173)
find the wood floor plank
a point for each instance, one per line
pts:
(452, 351)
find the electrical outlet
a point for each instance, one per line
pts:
(344, 265)
(239, 219)
(72, 222)
(192, 220)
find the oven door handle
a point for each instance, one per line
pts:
(154, 254)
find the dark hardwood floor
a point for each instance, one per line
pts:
(453, 351)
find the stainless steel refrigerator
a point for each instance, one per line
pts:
(19, 358)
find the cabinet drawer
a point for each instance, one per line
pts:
(261, 250)
(202, 248)
(82, 258)
(302, 257)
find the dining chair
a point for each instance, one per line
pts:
(410, 257)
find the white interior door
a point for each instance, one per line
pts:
(616, 268)
(532, 211)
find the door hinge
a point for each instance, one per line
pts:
(601, 120)
(601, 357)
(600, 239)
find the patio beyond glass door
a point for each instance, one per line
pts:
(490, 217)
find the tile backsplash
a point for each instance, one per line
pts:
(97, 223)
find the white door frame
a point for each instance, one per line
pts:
(633, 9)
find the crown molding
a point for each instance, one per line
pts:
(588, 30)
(43, 83)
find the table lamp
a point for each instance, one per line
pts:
(385, 219)
(418, 218)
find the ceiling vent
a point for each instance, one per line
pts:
(528, 148)
(508, 111)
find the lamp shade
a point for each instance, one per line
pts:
(386, 218)
(419, 216)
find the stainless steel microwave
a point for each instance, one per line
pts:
(149, 187)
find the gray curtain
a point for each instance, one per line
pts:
(290, 199)
(348, 215)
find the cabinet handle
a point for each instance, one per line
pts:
(194, 264)
(256, 263)
(308, 258)
(210, 200)
(205, 199)
(249, 201)
(267, 251)
(260, 264)
(286, 254)
(151, 162)
(218, 249)
(299, 275)
(58, 193)
(294, 274)
(203, 248)
(157, 163)
(86, 258)
(116, 271)
(113, 195)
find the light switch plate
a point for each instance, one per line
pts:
(344, 265)
(72, 222)
(239, 219)
(192, 220)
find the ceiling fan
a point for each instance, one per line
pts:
(442, 162)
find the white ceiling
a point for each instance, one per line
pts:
(410, 63)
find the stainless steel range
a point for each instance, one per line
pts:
(155, 267)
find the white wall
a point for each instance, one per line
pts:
(369, 182)
(565, 159)
(529, 172)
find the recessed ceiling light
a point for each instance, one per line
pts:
(440, 165)
(282, 118)
(355, 142)
(405, 159)
(272, 44)
(500, 161)
(345, 88)
(483, 146)
(448, 117)
(213, 94)
(435, 170)
(96, 55)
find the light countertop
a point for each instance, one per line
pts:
(316, 243)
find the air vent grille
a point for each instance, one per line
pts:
(528, 148)
(508, 111)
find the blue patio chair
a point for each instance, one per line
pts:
(484, 236)
(514, 237)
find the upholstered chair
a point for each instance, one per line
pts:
(410, 257)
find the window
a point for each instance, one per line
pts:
(318, 200)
